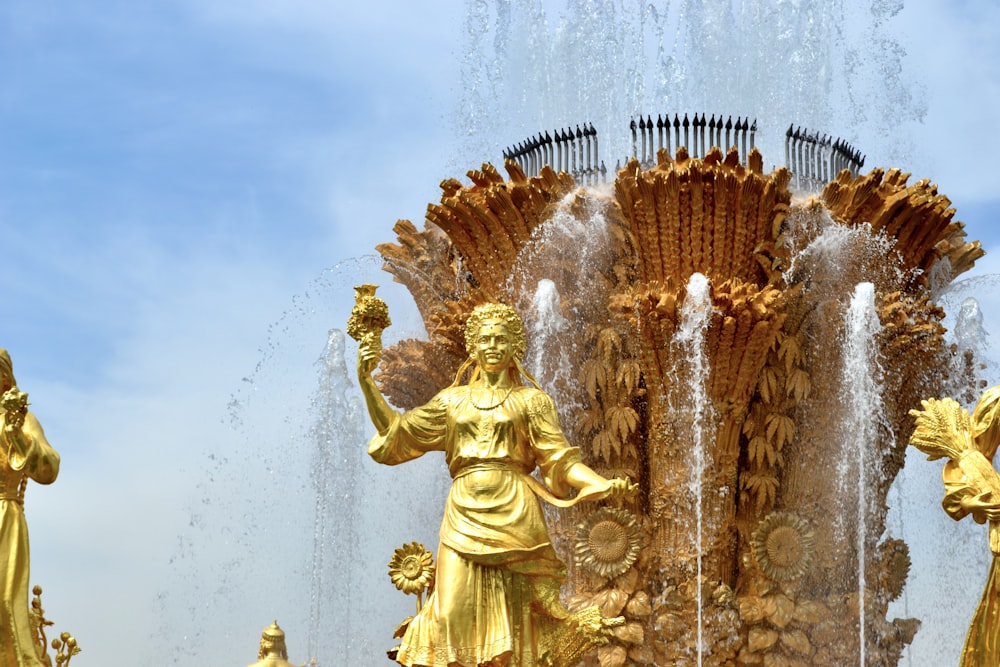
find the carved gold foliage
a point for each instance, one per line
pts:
(423, 261)
(763, 487)
(798, 385)
(435, 364)
(944, 429)
(623, 420)
(810, 612)
(916, 215)
(628, 375)
(612, 656)
(781, 384)
(639, 606)
(611, 379)
(611, 601)
(487, 224)
(797, 641)
(779, 629)
(761, 639)
(630, 633)
(779, 610)
(760, 450)
(740, 335)
(779, 429)
(595, 377)
(706, 216)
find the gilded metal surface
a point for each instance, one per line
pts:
(971, 487)
(65, 644)
(24, 454)
(412, 570)
(273, 652)
(773, 348)
(496, 594)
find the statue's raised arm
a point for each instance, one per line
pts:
(496, 596)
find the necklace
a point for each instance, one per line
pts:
(489, 407)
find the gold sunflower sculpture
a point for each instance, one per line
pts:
(893, 567)
(608, 542)
(783, 544)
(412, 570)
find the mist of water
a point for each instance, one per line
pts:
(337, 475)
(828, 65)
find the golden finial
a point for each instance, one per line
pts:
(370, 315)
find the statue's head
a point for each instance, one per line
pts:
(272, 642)
(496, 313)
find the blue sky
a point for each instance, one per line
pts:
(183, 186)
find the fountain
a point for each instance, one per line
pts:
(751, 546)
(761, 575)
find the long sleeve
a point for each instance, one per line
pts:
(39, 461)
(412, 434)
(957, 489)
(553, 453)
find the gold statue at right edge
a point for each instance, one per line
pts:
(971, 486)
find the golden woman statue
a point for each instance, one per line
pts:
(24, 454)
(496, 596)
(971, 487)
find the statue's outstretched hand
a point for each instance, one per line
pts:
(622, 486)
(594, 486)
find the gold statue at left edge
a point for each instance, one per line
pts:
(496, 593)
(24, 454)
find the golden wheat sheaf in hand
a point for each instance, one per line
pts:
(944, 429)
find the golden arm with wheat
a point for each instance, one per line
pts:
(944, 429)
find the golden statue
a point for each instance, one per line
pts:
(496, 595)
(971, 486)
(272, 648)
(24, 454)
